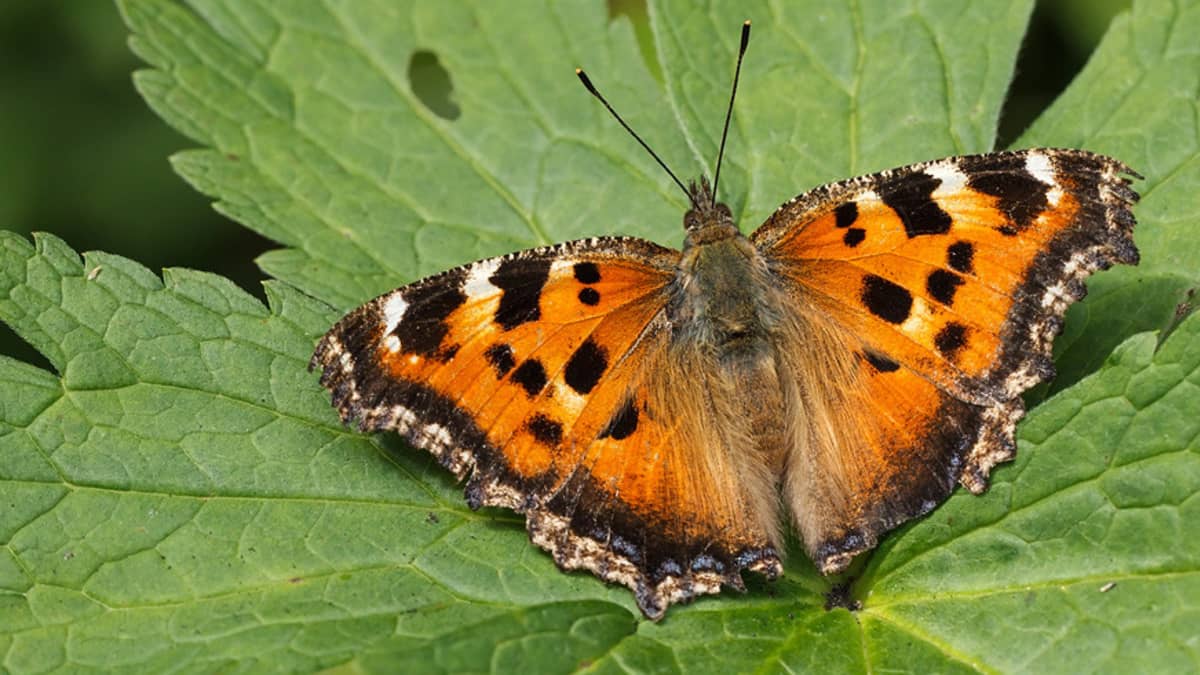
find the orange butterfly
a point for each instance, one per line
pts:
(860, 353)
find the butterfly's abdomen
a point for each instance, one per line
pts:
(724, 312)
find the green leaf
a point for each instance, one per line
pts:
(179, 493)
(1138, 100)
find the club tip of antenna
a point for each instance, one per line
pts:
(746, 23)
(586, 82)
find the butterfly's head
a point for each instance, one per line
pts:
(706, 214)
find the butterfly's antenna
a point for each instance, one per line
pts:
(588, 83)
(729, 113)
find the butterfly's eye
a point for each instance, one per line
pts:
(691, 220)
(724, 212)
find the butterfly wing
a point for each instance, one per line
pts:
(947, 282)
(535, 376)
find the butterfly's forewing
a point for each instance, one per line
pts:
(949, 280)
(538, 377)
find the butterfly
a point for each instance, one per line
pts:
(658, 414)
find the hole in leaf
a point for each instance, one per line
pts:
(15, 346)
(430, 81)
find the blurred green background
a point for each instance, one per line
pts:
(81, 155)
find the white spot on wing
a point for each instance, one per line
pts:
(952, 179)
(403, 418)
(1054, 196)
(571, 400)
(1038, 165)
(478, 282)
(393, 310)
(564, 266)
(439, 435)
(917, 322)
(392, 343)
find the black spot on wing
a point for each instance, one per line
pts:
(585, 367)
(885, 299)
(545, 430)
(951, 338)
(589, 296)
(1021, 197)
(531, 375)
(961, 257)
(521, 279)
(846, 214)
(911, 198)
(942, 286)
(623, 423)
(423, 326)
(500, 356)
(587, 272)
(880, 362)
(854, 236)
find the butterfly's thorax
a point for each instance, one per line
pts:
(721, 294)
